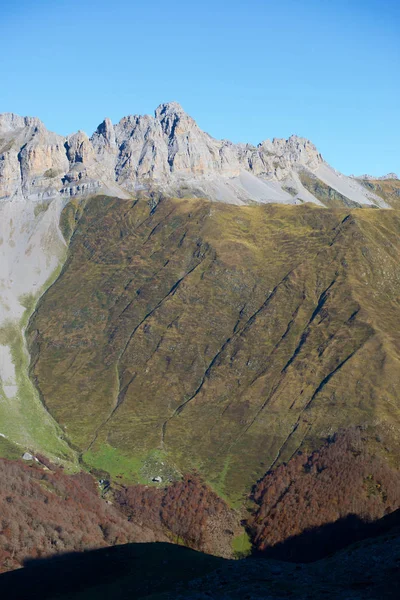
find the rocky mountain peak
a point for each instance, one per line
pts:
(167, 152)
(10, 122)
(169, 108)
(174, 120)
(106, 131)
(79, 148)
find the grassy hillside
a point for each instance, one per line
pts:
(192, 335)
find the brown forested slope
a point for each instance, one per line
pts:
(47, 511)
(340, 485)
(44, 512)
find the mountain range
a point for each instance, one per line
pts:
(208, 328)
(168, 153)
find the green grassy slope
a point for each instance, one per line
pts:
(25, 423)
(205, 336)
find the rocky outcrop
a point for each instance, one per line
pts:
(389, 176)
(166, 152)
(32, 159)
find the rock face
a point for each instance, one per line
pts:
(167, 153)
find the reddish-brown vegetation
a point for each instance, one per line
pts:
(329, 493)
(43, 512)
(338, 480)
(187, 511)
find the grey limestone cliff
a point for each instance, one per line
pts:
(166, 152)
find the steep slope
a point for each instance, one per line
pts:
(387, 188)
(193, 335)
(316, 504)
(44, 512)
(32, 249)
(168, 153)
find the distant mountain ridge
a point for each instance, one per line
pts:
(372, 178)
(167, 153)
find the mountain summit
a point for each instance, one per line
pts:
(168, 153)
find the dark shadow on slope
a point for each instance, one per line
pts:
(121, 572)
(134, 571)
(319, 542)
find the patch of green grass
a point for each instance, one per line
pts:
(218, 486)
(241, 545)
(51, 173)
(28, 301)
(70, 217)
(9, 449)
(40, 207)
(23, 418)
(115, 463)
(130, 469)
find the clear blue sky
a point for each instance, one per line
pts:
(246, 71)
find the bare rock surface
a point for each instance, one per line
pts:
(166, 152)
